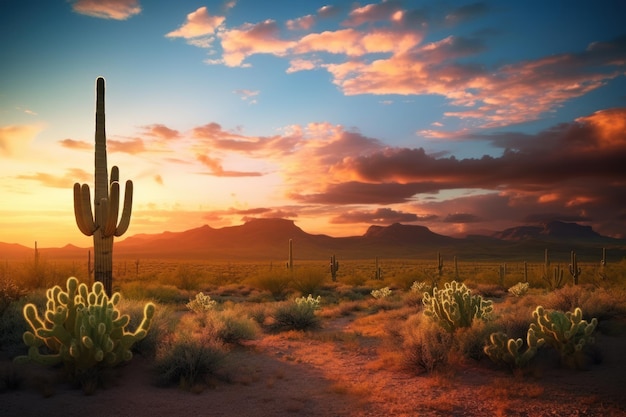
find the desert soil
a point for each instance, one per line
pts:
(343, 369)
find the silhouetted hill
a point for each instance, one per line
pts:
(260, 239)
(550, 231)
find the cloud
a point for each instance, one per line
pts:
(216, 168)
(14, 139)
(461, 218)
(301, 23)
(107, 9)
(66, 181)
(161, 131)
(373, 13)
(378, 216)
(158, 179)
(75, 144)
(354, 43)
(133, 146)
(247, 95)
(249, 39)
(198, 23)
(299, 64)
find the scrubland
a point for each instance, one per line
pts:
(256, 338)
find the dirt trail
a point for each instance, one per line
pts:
(342, 370)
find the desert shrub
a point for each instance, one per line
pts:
(201, 303)
(381, 293)
(188, 361)
(160, 293)
(404, 280)
(425, 345)
(163, 324)
(258, 312)
(233, 327)
(308, 280)
(469, 342)
(595, 302)
(455, 306)
(293, 316)
(10, 292)
(274, 281)
(12, 325)
(184, 278)
(520, 289)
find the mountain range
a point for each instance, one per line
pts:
(267, 239)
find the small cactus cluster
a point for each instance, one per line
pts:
(82, 329)
(454, 306)
(567, 332)
(507, 351)
(520, 289)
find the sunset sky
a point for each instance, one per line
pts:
(462, 116)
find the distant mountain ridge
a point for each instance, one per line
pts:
(260, 239)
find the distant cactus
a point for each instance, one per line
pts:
(507, 351)
(455, 306)
(567, 332)
(103, 223)
(520, 289)
(574, 269)
(290, 256)
(456, 269)
(82, 329)
(439, 264)
(334, 267)
(378, 273)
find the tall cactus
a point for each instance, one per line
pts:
(103, 223)
(574, 269)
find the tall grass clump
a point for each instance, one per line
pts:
(308, 280)
(276, 282)
(298, 314)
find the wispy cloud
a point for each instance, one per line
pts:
(107, 9)
(14, 139)
(75, 144)
(216, 169)
(65, 181)
(248, 95)
(198, 23)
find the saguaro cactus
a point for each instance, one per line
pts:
(574, 269)
(334, 267)
(103, 223)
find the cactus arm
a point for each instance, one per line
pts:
(82, 209)
(126, 212)
(112, 210)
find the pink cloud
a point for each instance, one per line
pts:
(133, 146)
(107, 9)
(216, 168)
(161, 131)
(198, 23)
(249, 39)
(75, 144)
(301, 23)
(373, 12)
(355, 43)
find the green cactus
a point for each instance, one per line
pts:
(290, 258)
(455, 306)
(567, 332)
(574, 269)
(82, 329)
(507, 351)
(334, 267)
(103, 223)
(439, 264)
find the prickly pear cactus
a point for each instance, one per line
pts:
(567, 332)
(82, 329)
(455, 306)
(507, 351)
